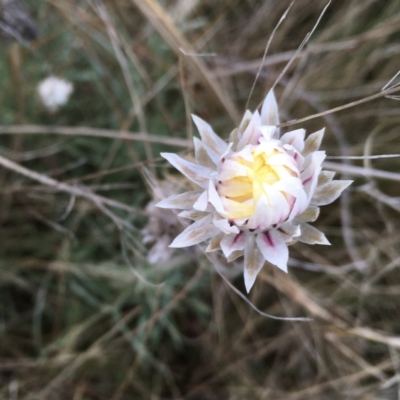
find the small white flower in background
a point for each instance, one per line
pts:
(258, 192)
(54, 92)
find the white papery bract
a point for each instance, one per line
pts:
(258, 191)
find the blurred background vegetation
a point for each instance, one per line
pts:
(84, 314)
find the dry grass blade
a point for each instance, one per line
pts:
(384, 93)
(360, 171)
(300, 48)
(370, 334)
(218, 266)
(162, 22)
(351, 379)
(82, 131)
(351, 355)
(299, 295)
(266, 51)
(62, 187)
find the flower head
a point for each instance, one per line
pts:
(258, 192)
(162, 226)
(54, 92)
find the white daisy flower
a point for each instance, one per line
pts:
(257, 193)
(54, 92)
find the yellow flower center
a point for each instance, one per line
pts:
(242, 192)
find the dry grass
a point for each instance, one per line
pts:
(83, 315)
